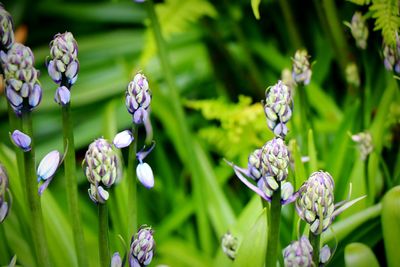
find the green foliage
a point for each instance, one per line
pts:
(360, 2)
(240, 129)
(255, 6)
(386, 14)
(359, 255)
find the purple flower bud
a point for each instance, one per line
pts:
(324, 254)
(116, 260)
(145, 175)
(5, 199)
(35, 96)
(48, 165)
(54, 74)
(6, 29)
(62, 96)
(123, 139)
(21, 140)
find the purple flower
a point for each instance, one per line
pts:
(47, 168)
(62, 96)
(138, 98)
(142, 248)
(123, 139)
(21, 140)
(116, 260)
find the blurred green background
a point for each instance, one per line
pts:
(222, 60)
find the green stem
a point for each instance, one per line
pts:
(184, 132)
(305, 114)
(104, 251)
(273, 229)
(294, 36)
(315, 241)
(72, 185)
(37, 225)
(132, 185)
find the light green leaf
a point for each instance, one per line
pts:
(252, 250)
(312, 153)
(359, 255)
(300, 173)
(255, 6)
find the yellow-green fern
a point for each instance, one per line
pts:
(386, 14)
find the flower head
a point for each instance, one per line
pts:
(138, 98)
(142, 248)
(301, 70)
(22, 87)
(359, 30)
(298, 253)
(5, 195)
(64, 63)
(229, 245)
(278, 108)
(21, 140)
(101, 169)
(6, 29)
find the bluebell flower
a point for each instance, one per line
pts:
(47, 168)
(123, 139)
(62, 96)
(21, 140)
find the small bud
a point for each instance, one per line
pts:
(123, 139)
(116, 260)
(21, 140)
(6, 29)
(287, 195)
(324, 254)
(62, 96)
(364, 143)
(352, 76)
(5, 196)
(229, 245)
(145, 175)
(138, 98)
(359, 30)
(298, 253)
(142, 248)
(301, 70)
(48, 165)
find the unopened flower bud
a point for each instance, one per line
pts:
(5, 196)
(138, 98)
(254, 165)
(364, 142)
(21, 140)
(116, 260)
(145, 175)
(275, 159)
(324, 254)
(352, 76)
(142, 248)
(278, 108)
(64, 63)
(298, 253)
(359, 30)
(301, 70)
(6, 29)
(62, 96)
(315, 204)
(229, 245)
(21, 78)
(123, 139)
(47, 168)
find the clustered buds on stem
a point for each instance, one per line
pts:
(64, 65)
(22, 86)
(278, 108)
(138, 98)
(5, 195)
(142, 248)
(391, 57)
(364, 142)
(298, 253)
(6, 29)
(101, 169)
(359, 30)
(301, 69)
(315, 204)
(229, 245)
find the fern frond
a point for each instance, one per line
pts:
(241, 126)
(386, 14)
(175, 16)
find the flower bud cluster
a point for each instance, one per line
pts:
(298, 253)
(278, 108)
(364, 143)
(301, 69)
(138, 98)
(352, 76)
(359, 30)
(229, 245)
(64, 64)
(391, 57)
(101, 169)
(5, 196)
(142, 248)
(22, 86)
(6, 29)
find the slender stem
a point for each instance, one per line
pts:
(273, 229)
(293, 31)
(72, 185)
(132, 185)
(37, 225)
(184, 131)
(104, 251)
(306, 118)
(315, 241)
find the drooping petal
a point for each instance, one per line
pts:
(145, 174)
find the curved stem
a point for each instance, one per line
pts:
(132, 185)
(37, 225)
(72, 185)
(273, 229)
(315, 241)
(293, 31)
(104, 251)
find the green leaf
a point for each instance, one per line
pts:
(252, 250)
(299, 171)
(312, 153)
(390, 225)
(255, 6)
(359, 255)
(386, 14)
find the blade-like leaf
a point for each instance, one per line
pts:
(359, 255)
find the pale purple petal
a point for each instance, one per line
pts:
(35, 96)
(14, 98)
(62, 96)
(116, 260)
(145, 175)
(103, 194)
(44, 186)
(72, 70)
(3, 211)
(21, 140)
(48, 165)
(139, 115)
(123, 139)
(53, 72)
(250, 185)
